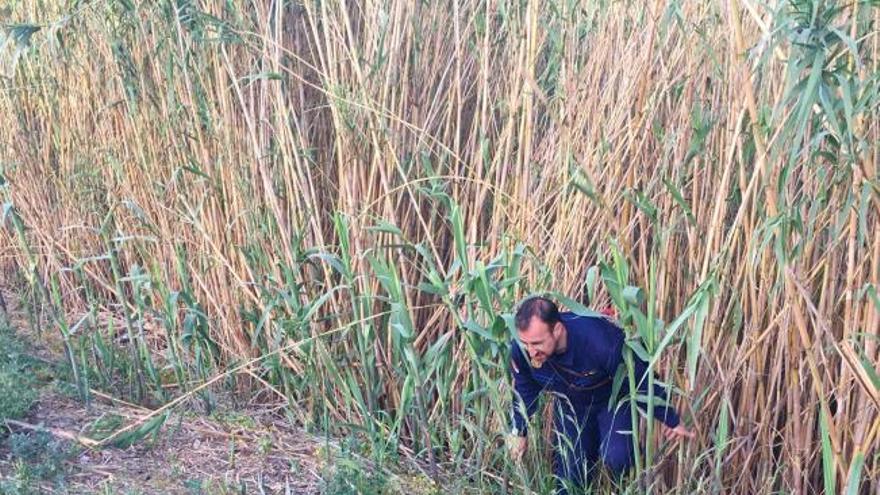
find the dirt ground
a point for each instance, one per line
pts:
(190, 454)
(253, 449)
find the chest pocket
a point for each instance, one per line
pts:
(583, 381)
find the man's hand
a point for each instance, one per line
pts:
(680, 431)
(517, 446)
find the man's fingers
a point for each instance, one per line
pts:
(673, 434)
(517, 448)
(682, 432)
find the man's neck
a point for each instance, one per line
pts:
(562, 343)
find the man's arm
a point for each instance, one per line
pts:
(611, 338)
(526, 390)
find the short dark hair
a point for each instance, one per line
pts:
(545, 309)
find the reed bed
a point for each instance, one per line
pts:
(340, 203)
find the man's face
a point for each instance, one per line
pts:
(539, 340)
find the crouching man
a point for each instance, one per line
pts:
(575, 358)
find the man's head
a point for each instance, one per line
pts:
(540, 329)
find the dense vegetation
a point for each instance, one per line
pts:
(338, 204)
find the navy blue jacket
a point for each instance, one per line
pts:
(583, 373)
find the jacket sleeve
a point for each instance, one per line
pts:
(526, 390)
(611, 342)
